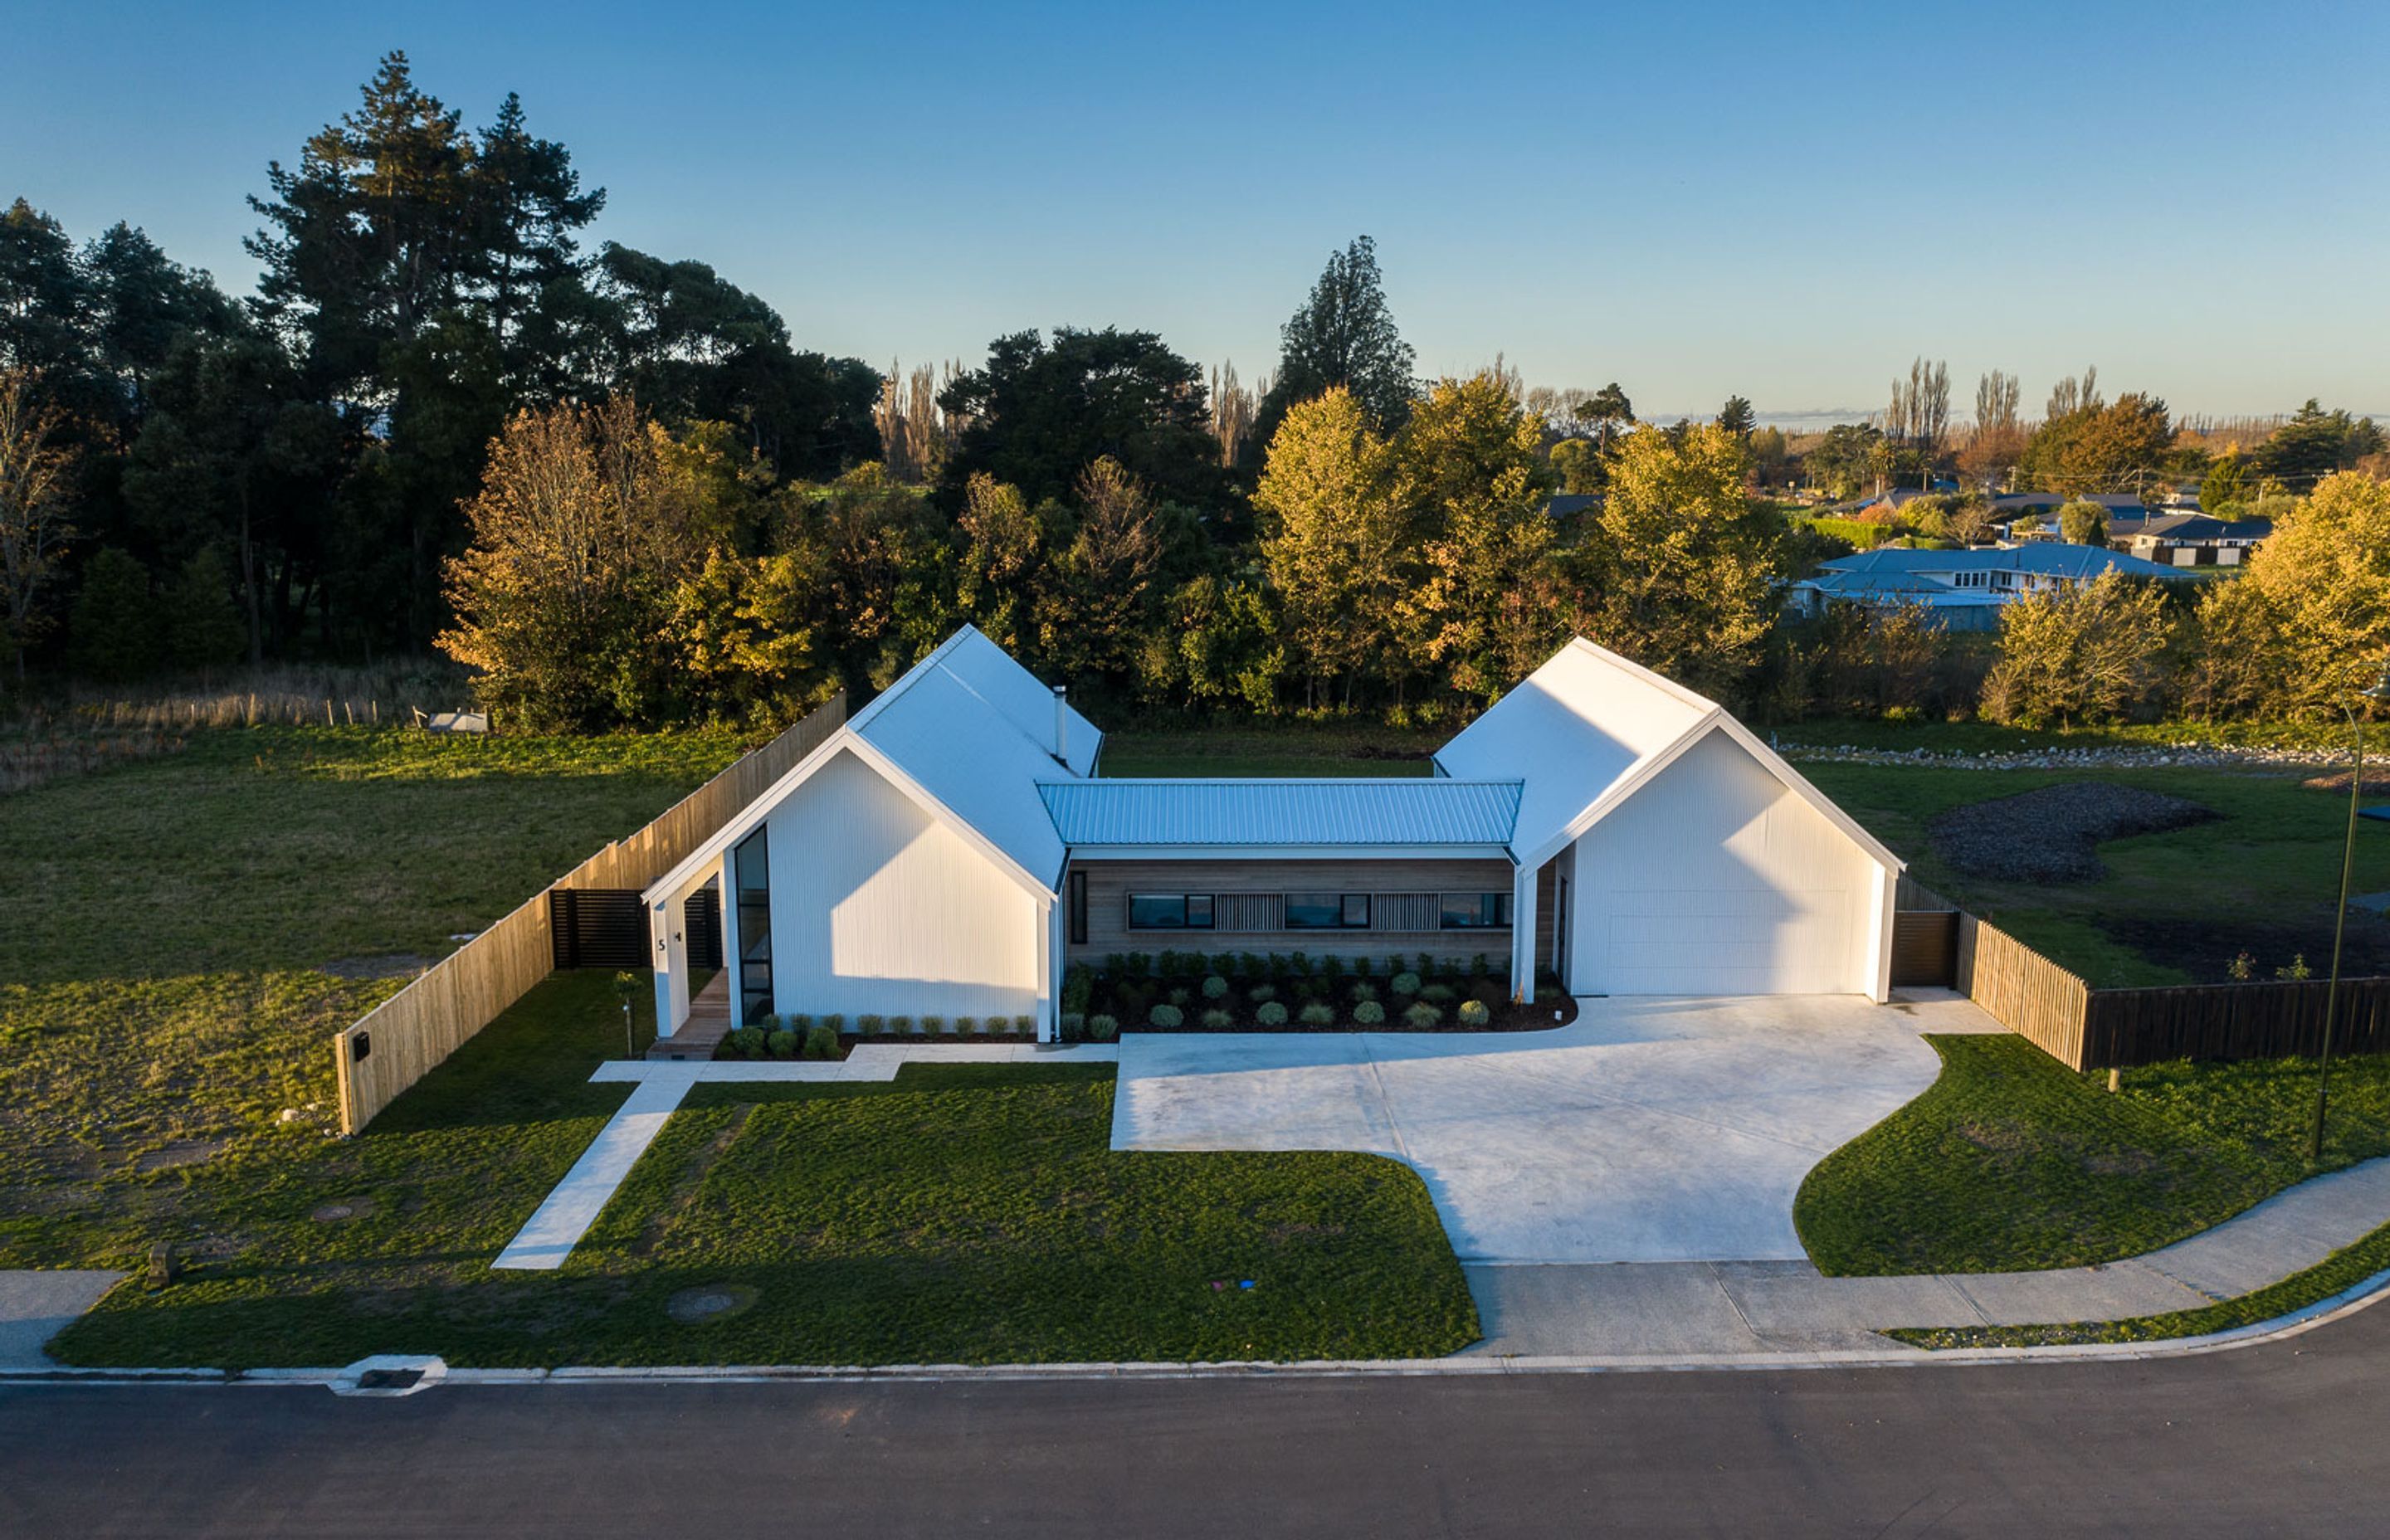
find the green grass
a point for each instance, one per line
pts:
(2344, 1269)
(2175, 907)
(2010, 1162)
(1982, 737)
(973, 1214)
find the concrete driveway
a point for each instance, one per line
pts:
(1648, 1130)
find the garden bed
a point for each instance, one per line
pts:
(1293, 993)
(2050, 835)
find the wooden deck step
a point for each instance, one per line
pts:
(708, 1025)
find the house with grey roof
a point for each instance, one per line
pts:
(1964, 588)
(952, 849)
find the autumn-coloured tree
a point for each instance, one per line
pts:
(2307, 624)
(1333, 540)
(2078, 653)
(35, 489)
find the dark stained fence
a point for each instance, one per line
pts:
(2124, 1027)
(598, 927)
(1925, 948)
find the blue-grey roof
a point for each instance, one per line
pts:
(2046, 558)
(1852, 584)
(1375, 812)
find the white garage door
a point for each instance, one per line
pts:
(1715, 877)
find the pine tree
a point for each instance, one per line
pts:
(1344, 335)
(114, 628)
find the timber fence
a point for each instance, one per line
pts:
(400, 1041)
(2084, 1028)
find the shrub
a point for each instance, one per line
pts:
(1479, 967)
(1115, 964)
(1404, 984)
(1260, 993)
(1437, 995)
(1474, 1014)
(1101, 1028)
(873, 1026)
(1331, 968)
(966, 1025)
(934, 1023)
(1364, 992)
(781, 1043)
(1360, 968)
(900, 1023)
(1394, 965)
(1167, 965)
(1249, 965)
(1278, 964)
(1025, 1025)
(1317, 1015)
(798, 1024)
(1422, 1016)
(1300, 963)
(1168, 1017)
(1078, 987)
(1426, 969)
(835, 1022)
(821, 1043)
(1217, 1020)
(1224, 963)
(1548, 994)
(1075, 1026)
(1270, 1014)
(749, 1042)
(1215, 987)
(1181, 997)
(1138, 964)
(1368, 1013)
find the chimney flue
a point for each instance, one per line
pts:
(1061, 728)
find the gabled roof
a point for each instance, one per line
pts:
(2045, 559)
(1588, 728)
(1361, 812)
(967, 734)
(1895, 585)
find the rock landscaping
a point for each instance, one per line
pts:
(2176, 756)
(2050, 835)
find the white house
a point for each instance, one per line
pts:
(950, 850)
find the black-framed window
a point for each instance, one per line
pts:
(751, 866)
(1078, 901)
(1170, 911)
(1475, 911)
(1327, 911)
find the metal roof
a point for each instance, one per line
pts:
(1308, 811)
(2047, 558)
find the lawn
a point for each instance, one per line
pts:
(967, 1214)
(1987, 738)
(2012, 1162)
(2175, 907)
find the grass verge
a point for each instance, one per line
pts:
(2344, 1269)
(971, 1214)
(2009, 1162)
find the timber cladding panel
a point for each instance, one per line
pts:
(1406, 906)
(400, 1041)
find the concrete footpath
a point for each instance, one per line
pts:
(1707, 1309)
(36, 1306)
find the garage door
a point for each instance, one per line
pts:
(1688, 942)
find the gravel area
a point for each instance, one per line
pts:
(2050, 835)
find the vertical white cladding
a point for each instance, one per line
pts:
(1715, 878)
(877, 907)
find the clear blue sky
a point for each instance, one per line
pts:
(1786, 201)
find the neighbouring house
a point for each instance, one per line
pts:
(1965, 589)
(951, 851)
(2192, 539)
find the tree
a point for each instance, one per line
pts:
(1845, 459)
(1919, 413)
(2077, 653)
(141, 305)
(200, 622)
(1041, 413)
(1736, 417)
(2307, 624)
(1092, 616)
(1995, 441)
(579, 537)
(2223, 491)
(1606, 414)
(524, 262)
(1578, 465)
(1677, 573)
(1333, 538)
(2314, 443)
(1233, 408)
(1004, 557)
(2117, 447)
(44, 296)
(113, 631)
(36, 480)
(2083, 524)
(1471, 474)
(1344, 335)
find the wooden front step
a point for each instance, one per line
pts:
(708, 1025)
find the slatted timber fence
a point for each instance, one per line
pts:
(2104, 1029)
(400, 1041)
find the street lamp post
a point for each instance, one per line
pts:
(2381, 691)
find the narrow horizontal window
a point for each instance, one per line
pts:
(1170, 911)
(1475, 911)
(1327, 911)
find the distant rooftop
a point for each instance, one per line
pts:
(2042, 558)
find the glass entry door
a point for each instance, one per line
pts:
(752, 868)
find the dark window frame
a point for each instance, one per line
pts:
(1187, 908)
(1492, 908)
(753, 903)
(1342, 904)
(1078, 910)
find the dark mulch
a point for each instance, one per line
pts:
(2050, 835)
(2204, 948)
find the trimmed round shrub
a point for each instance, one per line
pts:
(1317, 1015)
(1404, 984)
(871, 1026)
(1437, 995)
(834, 1021)
(1217, 1020)
(821, 1043)
(1269, 1013)
(1364, 992)
(781, 1043)
(1260, 992)
(966, 1025)
(1368, 1013)
(747, 1043)
(798, 1024)
(1025, 1025)
(1474, 1014)
(900, 1024)
(1422, 1016)
(1168, 1017)
(1215, 987)
(934, 1023)
(1075, 1026)
(1179, 997)
(1101, 1028)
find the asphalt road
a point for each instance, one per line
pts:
(2284, 1438)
